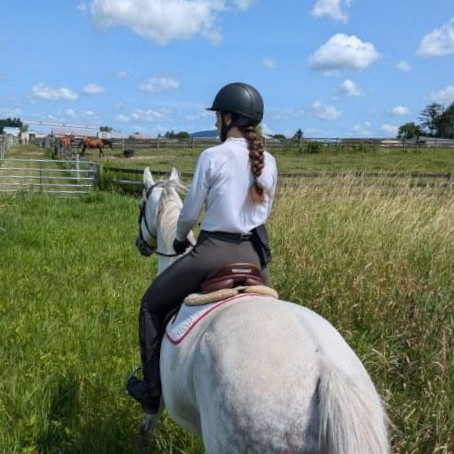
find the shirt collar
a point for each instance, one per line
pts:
(236, 139)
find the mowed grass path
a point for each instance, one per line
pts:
(378, 266)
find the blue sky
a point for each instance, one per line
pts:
(334, 68)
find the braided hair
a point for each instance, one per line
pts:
(257, 159)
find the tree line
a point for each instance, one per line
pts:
(10, 122)
(435, 121)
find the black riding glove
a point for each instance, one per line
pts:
(180, 246)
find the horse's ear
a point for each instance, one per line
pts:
(174, 175)
(147, 178)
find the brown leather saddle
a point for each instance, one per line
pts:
(232, 275)
(229, 276)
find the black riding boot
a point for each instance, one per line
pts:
(148, 391)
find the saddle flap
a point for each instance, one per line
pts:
(232, 275)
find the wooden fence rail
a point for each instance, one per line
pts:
(302, 144)
(130, 180)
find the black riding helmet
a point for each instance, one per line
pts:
(242, 100)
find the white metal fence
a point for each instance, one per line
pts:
(61, 177)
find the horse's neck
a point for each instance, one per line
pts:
(166, 228)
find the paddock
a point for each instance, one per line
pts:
(377, 264)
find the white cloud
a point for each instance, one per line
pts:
(349, 88)
(82, 6)
(403, 66)
(331, 8)
(163, 21)
(244, 4)
(363, 129)
(390, 129)
(93, 89)
(41, 91)
(122, 118)
(200, 115)
(343, 52)
(147, 115)
(444, 96)
(439, 42)
(400, 110)
(70, 113)
(160, 84)
(122, 74)
(269, 63)
(324, 111)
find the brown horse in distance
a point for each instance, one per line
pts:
(67, 140)
(94, 142)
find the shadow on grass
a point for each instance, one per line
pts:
(107, 427)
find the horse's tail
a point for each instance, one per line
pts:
(352, 419)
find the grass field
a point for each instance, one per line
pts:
(385, 160)
(377, 263)
(289, 161)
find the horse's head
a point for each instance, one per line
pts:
(151, 205)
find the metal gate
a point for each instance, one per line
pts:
(60, 177)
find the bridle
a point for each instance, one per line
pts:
(143, 218)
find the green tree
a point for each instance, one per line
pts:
(10, 122)
(446, 123)
(430, 118)
(183, 135)
(105, 129)
(408, 131)
(298, 135)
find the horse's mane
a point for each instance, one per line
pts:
(169, 208)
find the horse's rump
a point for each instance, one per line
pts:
(256, 370)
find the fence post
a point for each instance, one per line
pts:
(449, 184)
(40, 177)
(77, 169)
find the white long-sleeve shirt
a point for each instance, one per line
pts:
(222, 180)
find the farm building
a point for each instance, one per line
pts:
(30, 136)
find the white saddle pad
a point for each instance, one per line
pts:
(181, 324)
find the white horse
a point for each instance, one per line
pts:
(261, 375)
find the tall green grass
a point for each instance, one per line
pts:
(376, 262)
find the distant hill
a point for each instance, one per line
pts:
(210, 133)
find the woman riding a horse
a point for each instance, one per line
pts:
(235, 182)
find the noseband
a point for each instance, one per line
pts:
(143, 218)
